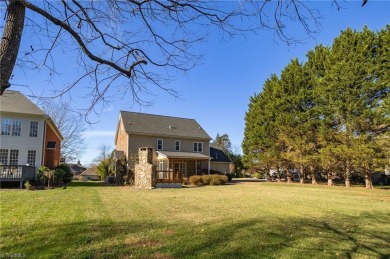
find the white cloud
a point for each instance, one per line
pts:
(97, 133)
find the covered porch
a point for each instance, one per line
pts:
(173, 166)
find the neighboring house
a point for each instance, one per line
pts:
(29, 138)
(76, 169)
(220, 162)
(179, 144)
(89, 175)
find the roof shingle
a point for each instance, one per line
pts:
(158, 125)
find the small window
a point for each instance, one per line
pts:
(51, 145)
(13, 157)
(177, 145)
(33, 129)
(160, 144)
(3, 156)
(198, 147)
(31, 155)
(6, 127)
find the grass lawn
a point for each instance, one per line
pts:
(253, 220)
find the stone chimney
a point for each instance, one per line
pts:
(145, 171)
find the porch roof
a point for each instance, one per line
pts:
(182, 155)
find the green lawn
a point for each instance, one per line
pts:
(254, 220)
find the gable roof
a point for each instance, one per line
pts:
(16, 102)
(89, 172)
(159, 125)
(217, 154)
(9, 99)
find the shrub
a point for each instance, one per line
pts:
(258, 175)
(196, 179)
(185, 181)
(206, 179)
(218, 179)
(41, 175)
(58, 173)
(68, 176)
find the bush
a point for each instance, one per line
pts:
(196, 179)
(41, 175)
(58, 173)
(213, 179)
(258, 175)
(68, 176)
(206, 179)
(185, 181)
(218, 179)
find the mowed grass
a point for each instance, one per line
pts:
(252, 220)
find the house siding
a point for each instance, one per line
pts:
(24, 142)
(51, 156)
(186, 145)
(122, 143)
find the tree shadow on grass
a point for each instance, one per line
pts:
(90, 184)
(337, 236)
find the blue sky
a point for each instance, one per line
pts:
(216, 93)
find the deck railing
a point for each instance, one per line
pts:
(169, 177)
(17, 172)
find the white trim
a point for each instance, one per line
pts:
(197, 147)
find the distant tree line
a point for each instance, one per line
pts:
(328, 116)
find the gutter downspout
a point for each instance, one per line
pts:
(44, 143)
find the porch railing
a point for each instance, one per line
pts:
(17, 172)
(169, 177)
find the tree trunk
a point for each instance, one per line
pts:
(288, 175)
(278, 175)
(330, 178)
(367, 176)
(302, 174)
(347, 175)
(10, 42)
(313, 175)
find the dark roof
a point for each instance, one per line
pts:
(217, 155)
(76, 169)
(16, 102)
(158, 125)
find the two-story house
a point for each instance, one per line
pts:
(179, 144)
(28, 138)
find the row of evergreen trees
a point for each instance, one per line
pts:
(328, 115)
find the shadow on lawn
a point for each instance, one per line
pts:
(336, 236)
(89, 184)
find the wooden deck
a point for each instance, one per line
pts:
(17, 173)
(169, 177)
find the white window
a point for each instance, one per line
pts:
(177, 145)
(13, 157)
(31, 155)
(33, 129)
(198, 147)
(6, 127)
(160, 144)
(16, 127)
(3, 156)
(11, 127)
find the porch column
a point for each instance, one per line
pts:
(209, 166)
